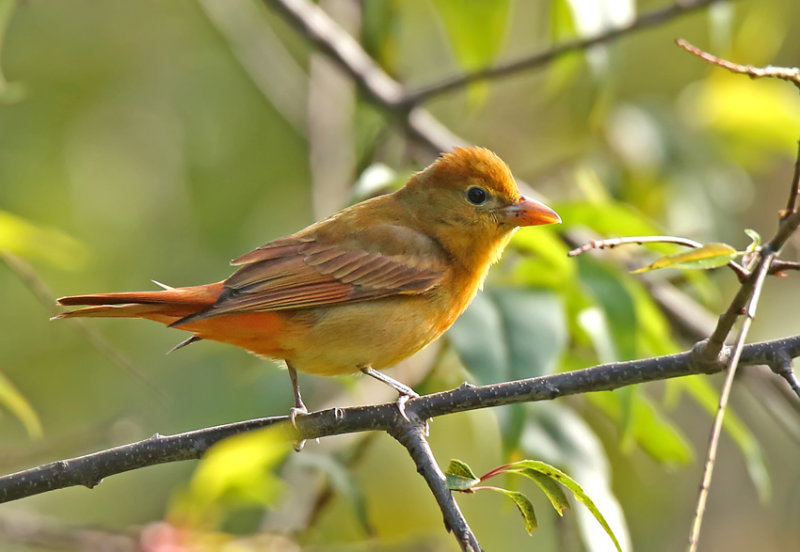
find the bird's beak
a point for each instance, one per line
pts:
(529, 212)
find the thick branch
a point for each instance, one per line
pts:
(89, 470)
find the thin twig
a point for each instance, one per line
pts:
(790, 74)
(717, 340)
(610, 243)
(26, 528)
(90, 469)
(650, 19)
(713, 442)
(411, 434)
(791, 204)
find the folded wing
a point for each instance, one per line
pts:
(301, 271)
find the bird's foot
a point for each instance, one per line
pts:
(294, 412)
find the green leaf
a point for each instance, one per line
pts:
(555, 434)
(510, 333)
(657, 436)
(475, 29)
(550, 488)
(604, 284)
(459, 476)
(711, 255)
(9, 92)
(523, 504)
(27, 240)
(608, 218)
(706, 396)
(577, 491)
(18, 405)
(239, 470)
(342, 481)
(755, 238)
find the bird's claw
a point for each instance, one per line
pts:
(401, 406)
(296, 411)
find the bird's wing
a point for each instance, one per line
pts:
(304, 271)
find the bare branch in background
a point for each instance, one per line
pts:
(644, 21)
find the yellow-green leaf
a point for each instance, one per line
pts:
(17, 404)
(550, 488)
(523, 504)
(577, 491)
(239, 470)
(711, 255)
(459, 476)
(27, 240)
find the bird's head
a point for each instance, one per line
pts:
(469, 201)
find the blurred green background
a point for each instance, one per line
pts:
(156, 140)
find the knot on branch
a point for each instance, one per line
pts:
(707, 361)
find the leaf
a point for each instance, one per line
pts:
(555, 434)
(523, 505)
(510, 333)
(9, 92)
(755, 238)
(475, 29)
(18, 405)
(711, 255)
(704, 393)
(239, 470)
(577, 491)
(342, 481)
(459, 476)
(607, 218)
(657, 436)
(550, 488)
(28, 240)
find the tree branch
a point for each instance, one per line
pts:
(411, 434)
(761, 272)
(790, 74)
(650, 19)
(90, 469)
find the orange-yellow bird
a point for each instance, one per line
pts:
(362, 289)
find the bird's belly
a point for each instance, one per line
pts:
(377, 333)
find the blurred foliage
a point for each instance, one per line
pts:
(144, 150)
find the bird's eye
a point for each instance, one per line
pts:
(476, 195)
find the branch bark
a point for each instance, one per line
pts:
(90, 469)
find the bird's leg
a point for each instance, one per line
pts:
(405, 391)
(299, 408)
(401, 388)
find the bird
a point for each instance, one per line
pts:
(360, 290)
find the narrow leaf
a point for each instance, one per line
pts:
(459, 476)
(15, 402)
(559, 476)
(711, 255)
(550, 488)
(523, 504)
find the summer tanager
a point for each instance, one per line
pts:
(362, 289)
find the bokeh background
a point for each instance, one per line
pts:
(156, 140)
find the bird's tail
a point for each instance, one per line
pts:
(165, 306)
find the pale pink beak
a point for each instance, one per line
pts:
(529, 212)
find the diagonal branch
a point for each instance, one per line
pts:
(789, 74)
(89, 470)
(411, 434)
(650, 19)
(761, 272)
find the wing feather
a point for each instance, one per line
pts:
(298, 272)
